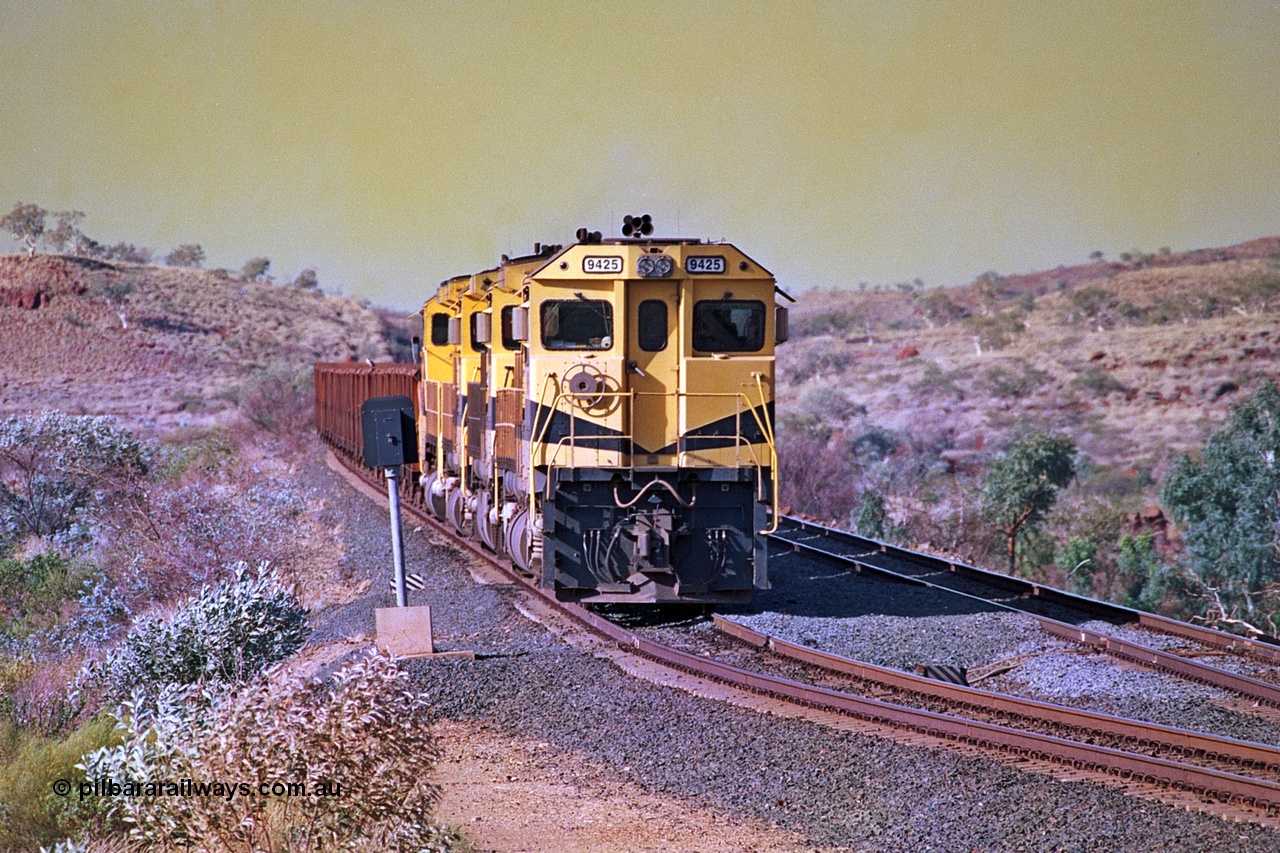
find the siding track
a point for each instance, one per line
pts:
(1061, 614)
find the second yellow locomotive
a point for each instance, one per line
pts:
(603, 414)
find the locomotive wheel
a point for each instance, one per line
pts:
(457, 506)
(517, 540)
(484, 527)
(435, 502)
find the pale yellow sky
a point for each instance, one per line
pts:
(393, 145)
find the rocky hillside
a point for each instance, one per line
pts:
(1135, 359)
(894, 403)
(158, 346)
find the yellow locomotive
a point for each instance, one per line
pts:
(603, 414)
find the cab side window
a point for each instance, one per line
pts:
(439, 329)
(508, 334)
(577, 324)
(728, 325)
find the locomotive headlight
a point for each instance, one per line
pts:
(654, 266)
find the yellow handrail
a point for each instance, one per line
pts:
(762, 420)
(536, 440)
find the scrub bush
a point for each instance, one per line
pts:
(226, 632)
(366, 737)
(196, 529)
(53, 466)
(33, 591)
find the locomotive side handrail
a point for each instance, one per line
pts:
(766, 427)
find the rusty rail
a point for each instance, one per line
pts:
(1137, 733)
(1145, 656)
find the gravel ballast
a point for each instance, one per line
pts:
(901, 625)
(837, 789)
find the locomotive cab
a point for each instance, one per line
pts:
(650, 407)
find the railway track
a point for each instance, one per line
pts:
(1061, 614)
(1230, 792)
(903, 688)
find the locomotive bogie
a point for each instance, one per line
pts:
(659, 536)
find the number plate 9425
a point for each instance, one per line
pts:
(704, 264)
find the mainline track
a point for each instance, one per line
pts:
(1261, 797)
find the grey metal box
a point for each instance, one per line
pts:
(389, 430)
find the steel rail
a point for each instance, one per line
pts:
(1265, 648)
(1134, 732)
(1145, 656)
(1228, 788)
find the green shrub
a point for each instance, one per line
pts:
(934, 381)
(875, 444)
(1097, 381)
(1014, 380)
(280, 403)
(1021, 485)
(937, 307)
(1078, 560)
(32, 591)
(1227, 504)
(1255, 292)
(804, 362)
(870, 518)
(1137, 569)
(227, 632)
(1090, 305)
(1036, 551)
(209, 450)
(189, 255)
(996, 331)
(835, 322)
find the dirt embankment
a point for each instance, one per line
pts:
(160, 347)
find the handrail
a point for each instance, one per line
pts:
(572, 440)
(536, 440)
(617, 501)
(768, 433)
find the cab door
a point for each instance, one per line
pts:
(653, 369)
